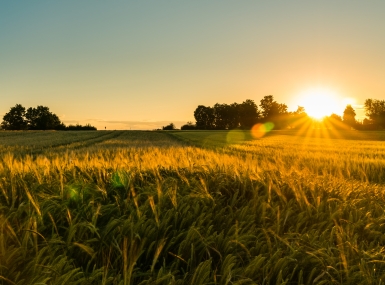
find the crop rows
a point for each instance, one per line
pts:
(192, 208)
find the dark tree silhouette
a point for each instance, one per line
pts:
(268, 106)
(248, 114)
(274, 112)
(78, 127)
(366, 124)
(169, 127)
(204, 117)
(15, 119)
(375, 110)
(349, 117)
(40, 118)
(225, 116)
(188, 126)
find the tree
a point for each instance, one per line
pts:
(267, 106)
(248, 114)
(349, 117)
(333, 121)
(204, 117)
(234, 115)
(169, 127)
(335, 117)
(15, 119)
(79, 127)
(375, 110)
(225, 116)
(40, 118)
(367, 125)
(188, 126)
(299, 119)
(274, 112)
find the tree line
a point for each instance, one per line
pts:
(374, 110)
(246, 114)
(39, 118)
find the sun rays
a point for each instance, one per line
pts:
(320, 102)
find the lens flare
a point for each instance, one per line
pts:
(259, 130)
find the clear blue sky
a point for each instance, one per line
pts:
(143, 64)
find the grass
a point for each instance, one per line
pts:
(129, 207)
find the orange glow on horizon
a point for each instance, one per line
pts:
(321, 102)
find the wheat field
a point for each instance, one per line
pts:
(192, 207)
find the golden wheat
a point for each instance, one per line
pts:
(190, 208)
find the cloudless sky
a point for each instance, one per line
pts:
(143, 64)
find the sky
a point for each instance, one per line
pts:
(143, 64)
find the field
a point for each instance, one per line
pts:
(192, 207)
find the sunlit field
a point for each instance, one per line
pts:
(192, 207)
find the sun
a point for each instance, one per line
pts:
(321, 102)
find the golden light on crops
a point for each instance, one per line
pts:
(321, 102)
